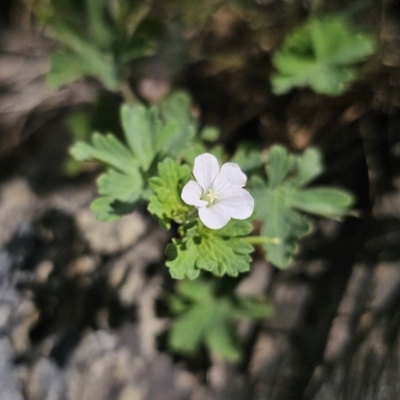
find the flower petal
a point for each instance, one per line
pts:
(191, 194)
(213, 218)
(235, 202)
(230, 173)
(205, 169)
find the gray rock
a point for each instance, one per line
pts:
(10, 389)
(110, 237)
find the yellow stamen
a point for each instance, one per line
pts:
(210, 197)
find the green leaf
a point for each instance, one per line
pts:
(248, 158)
(177, 106)
(280, 221)
(65, 68)
(176, 109)
(336, 41)
(333, 81)
(126, 188)
(79, 125)
(280, 163)
(322, 54)
(183, 260)
(98, 42)
(205, 316)
(221, 252)
(121, 186)
(106, 149)
(222, 338)
(164, 131)
(327, 202)
(80, 60)
(234, 228)
(108, 209)
(254, 307)
(166, 137)
(118, 192)
(193, 151)
(185, 336)
(140, 126)
(166, 203)
(129, 166)
(279, 202)
(308, 166)
(103, 209)
(137, 47)
(99, 22)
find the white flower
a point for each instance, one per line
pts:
(217, 193)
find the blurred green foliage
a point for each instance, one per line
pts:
(100, 38)
(79, 125)
(206, 314)
(323, 54)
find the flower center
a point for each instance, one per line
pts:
(210, 197)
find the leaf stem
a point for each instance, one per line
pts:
(262, 240)
(190, 216)
(128, 94)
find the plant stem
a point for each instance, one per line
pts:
(128, 94)
(261, 240)
(190, 216)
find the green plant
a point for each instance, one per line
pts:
(323, 54)
(151, 134)
(206, 314)
(161, 157)
(100, 38)
(283, 201)
(142, 170)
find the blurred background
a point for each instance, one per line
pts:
(84, 304)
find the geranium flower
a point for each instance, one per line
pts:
(217, 193)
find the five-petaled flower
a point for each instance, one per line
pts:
(217, 193)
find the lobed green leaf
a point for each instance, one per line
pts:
(327, 202)
(176, 109)
(82, 59)
(207, 317)
(166, 203)
(150, 136)
(106, 149)
(281, 201)
(322, 54)
(108, 209)
(248, 158)
(140, 126)
(220, 252)
(120, 186)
